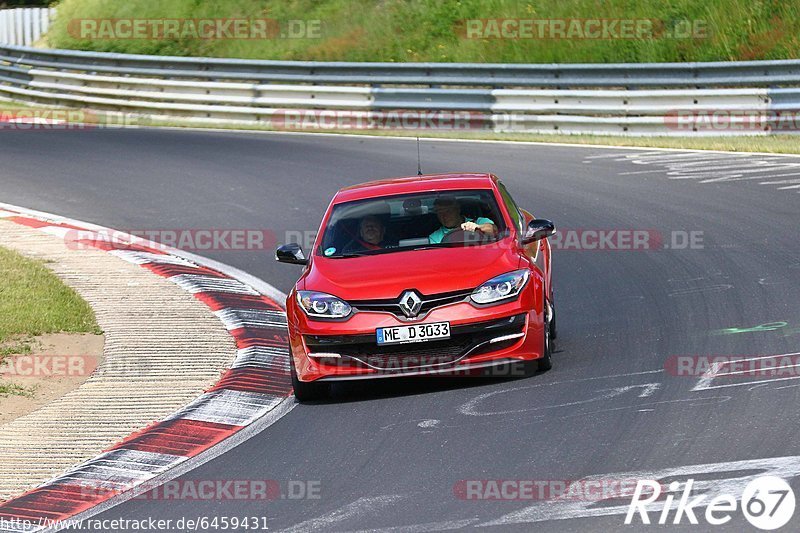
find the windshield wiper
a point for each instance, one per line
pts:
(345, 256)
(359, 254)
(432, 246)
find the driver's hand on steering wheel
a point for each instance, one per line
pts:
(470, 226)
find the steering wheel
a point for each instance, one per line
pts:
(460, 235)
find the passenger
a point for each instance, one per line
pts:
(371, 236)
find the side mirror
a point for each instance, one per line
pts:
(291, 253)
(538, 229)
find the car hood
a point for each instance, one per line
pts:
(429, 271)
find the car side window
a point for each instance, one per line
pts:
(512, 208)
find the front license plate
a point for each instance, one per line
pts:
(415, 333)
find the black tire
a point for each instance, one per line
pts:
(308, 391)
(545, 362)
(553, 330)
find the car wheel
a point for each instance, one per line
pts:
(553, 331)
(546, 361)
(307, 391)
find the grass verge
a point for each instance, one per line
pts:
(34, 301)
(444, 30)
(10, 389)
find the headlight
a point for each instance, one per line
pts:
(502, 287)
(321, 305)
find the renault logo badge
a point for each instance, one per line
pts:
(410, 304)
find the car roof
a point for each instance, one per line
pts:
(412, 184)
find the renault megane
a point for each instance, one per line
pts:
(437, 274)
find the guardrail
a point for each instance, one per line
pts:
(24, 25)
(633, 99)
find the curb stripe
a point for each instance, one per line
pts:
(254, 380)
(198, 283)
(140, 258)
(181, 437)
(166, 270)
(257, 382)
(224, 406)
(262, 356)
(220, 300)
(235, 319)
(108, 246)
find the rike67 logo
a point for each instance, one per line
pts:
(767, 502)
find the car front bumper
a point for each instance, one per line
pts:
(481, 338)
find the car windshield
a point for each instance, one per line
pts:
(412, 221)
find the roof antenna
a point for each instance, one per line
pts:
(419, 161)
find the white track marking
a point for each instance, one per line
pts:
(563, 381)
(447, 525)
(355, 509)
(710, 288)
(780, 182)
(716, 371)
(693, 402)
(470, 408)
(787, 387)
(707, 477)
(712, 167)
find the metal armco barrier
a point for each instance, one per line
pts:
(735, 98)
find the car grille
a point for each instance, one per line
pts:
(471, 339)
(429, 302)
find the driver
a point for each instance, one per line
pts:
(371, 233)
(448, 211)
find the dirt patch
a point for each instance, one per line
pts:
(56, 364)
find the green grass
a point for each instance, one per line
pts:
(11, 105)
(10, 389)
(428, 30)
(33, 301)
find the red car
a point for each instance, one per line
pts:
(437, 274)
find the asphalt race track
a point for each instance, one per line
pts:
(398, 453)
